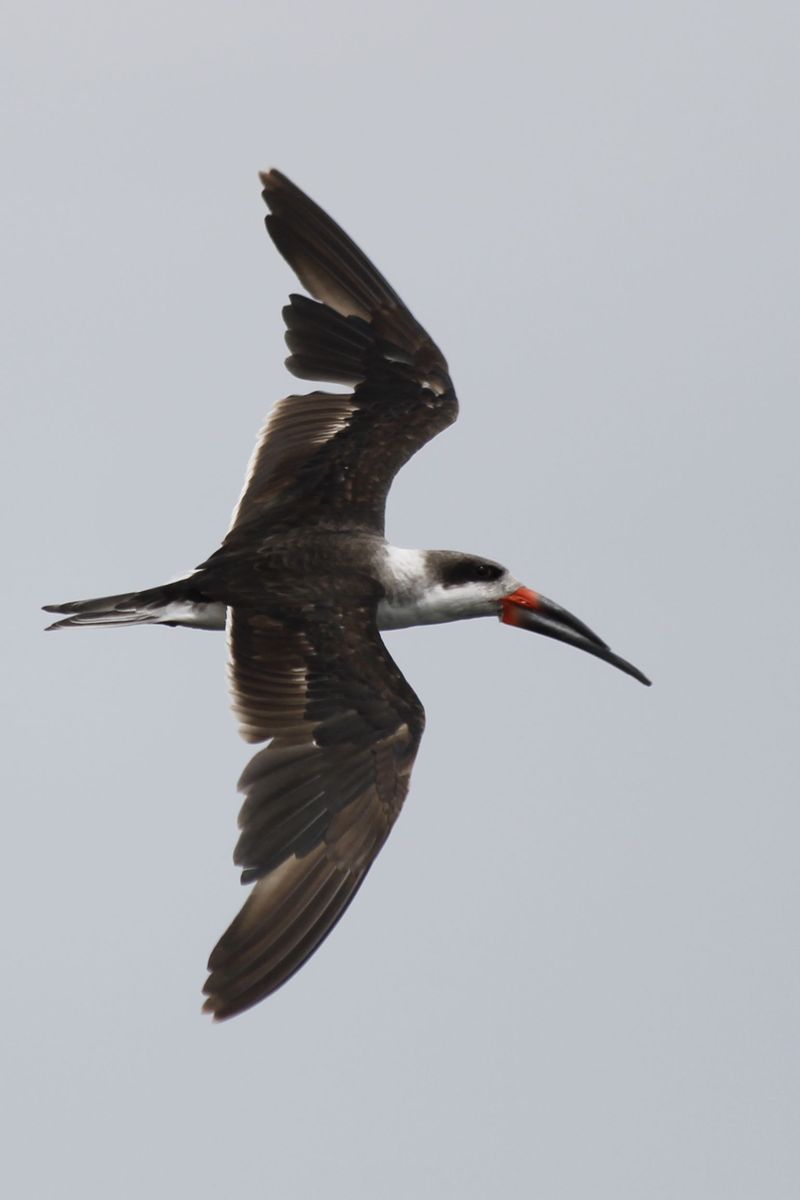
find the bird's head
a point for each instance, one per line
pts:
(460, 586)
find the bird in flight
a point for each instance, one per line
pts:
(303, 584)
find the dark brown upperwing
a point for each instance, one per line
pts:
(321, 799)
(334, 270)
(330, 459)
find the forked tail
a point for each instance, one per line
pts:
(179, 603)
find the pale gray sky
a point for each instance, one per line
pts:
(573, 971)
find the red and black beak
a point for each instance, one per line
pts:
(528, 610)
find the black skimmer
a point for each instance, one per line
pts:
(304, 582)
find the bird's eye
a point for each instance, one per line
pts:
(487, 571)
(467, 570)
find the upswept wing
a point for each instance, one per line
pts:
(330, 458)
(321, 799)
(308, 667)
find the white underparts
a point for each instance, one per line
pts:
(198, 616)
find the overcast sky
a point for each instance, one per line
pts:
(573, 971)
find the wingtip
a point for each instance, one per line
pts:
(272, 180)
(216, 1008)
(210, 1009)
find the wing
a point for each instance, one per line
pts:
(330, 458)
(321, 799)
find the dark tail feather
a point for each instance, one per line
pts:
(176, 603)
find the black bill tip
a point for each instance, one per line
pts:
(529, 610)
